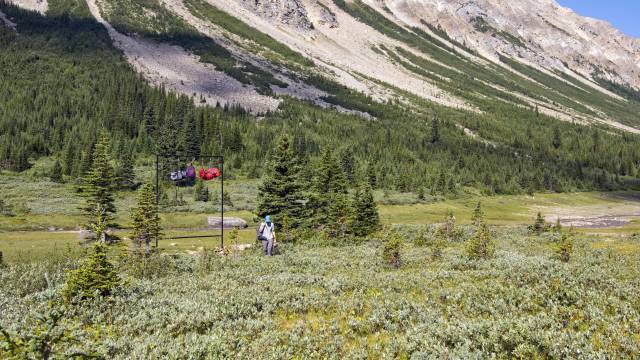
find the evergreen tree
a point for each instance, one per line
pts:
(191, 138)
(329, 186)
(449, 226)
(421, 194)
(558, 227)
(280, 193)
(87, 157)
(435, 130)
(372, 178)
(69, 158)
(481, 245)
(56, 172)
(340, 214)
(98, 185)
(441, 184)
(565, 247)
(365, 212)
(478, 215)
(438, 244)
(557, 139)
(146, 222)
(392, 248)
(125, 173)
(348, 163)
(95, 276)
(539, 226)
(201, 191)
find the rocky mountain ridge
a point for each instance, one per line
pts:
(456, 53)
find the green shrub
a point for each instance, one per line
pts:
(392, 248)
(564, 247)
(421, 238)
(438, 244)
(200, 191)
(539, 226)
(481, 245)
(95, 276)
(49, 335)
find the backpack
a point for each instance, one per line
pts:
(260, 231)
(209, 174)
(191, 172)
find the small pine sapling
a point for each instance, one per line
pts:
(565, 247)
(420, 239)
(539, 226)
(95, 276)
(481, 245)
(392, 248)
(438, 244)
(558, 227)
(478, 215)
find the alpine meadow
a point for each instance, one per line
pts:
(317, 179)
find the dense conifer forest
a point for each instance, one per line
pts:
(63, 83)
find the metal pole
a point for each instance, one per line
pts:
(222, 202)
(157, 194)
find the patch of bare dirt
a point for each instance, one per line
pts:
(598, 216)
(176, 69)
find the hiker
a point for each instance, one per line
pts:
(267, 234)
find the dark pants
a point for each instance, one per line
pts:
(267, 247)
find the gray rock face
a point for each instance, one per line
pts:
(327, 18)
(539, 31)
(229, 222)
(289, 12)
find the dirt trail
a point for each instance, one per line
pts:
(176, 69)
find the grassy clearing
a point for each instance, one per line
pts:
(500, 210)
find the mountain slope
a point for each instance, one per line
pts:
(461, 54)
(419, 109)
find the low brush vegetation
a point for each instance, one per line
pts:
(337, 302)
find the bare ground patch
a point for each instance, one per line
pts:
(619, 211)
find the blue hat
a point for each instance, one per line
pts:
(267, 218)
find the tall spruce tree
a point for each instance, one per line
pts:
(329, 186)
(365, 212)
(280, 193)
(98, 186)
(146, 222)
(124, 173)
(348, 164)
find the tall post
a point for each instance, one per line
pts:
(222, 203)
(157, 192)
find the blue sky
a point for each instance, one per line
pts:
(623, 14)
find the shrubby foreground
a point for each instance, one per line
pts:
(346, 302)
